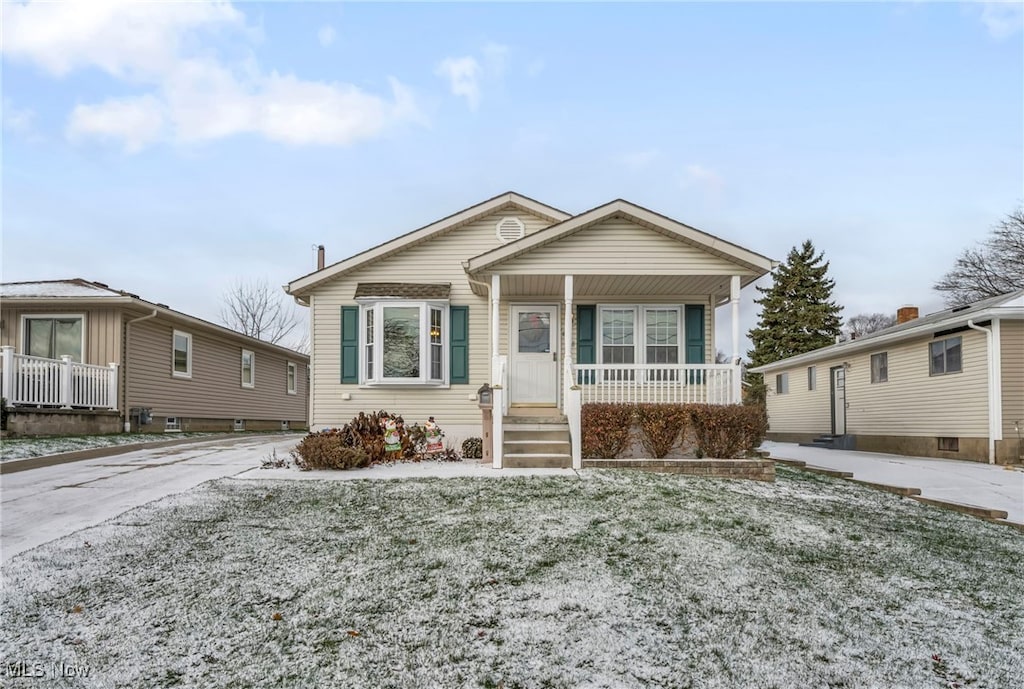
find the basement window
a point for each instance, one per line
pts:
(172, 423)
(949, 444)
(239, 424)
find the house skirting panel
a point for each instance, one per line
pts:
(42, 422)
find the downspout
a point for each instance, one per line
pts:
(994, 423)
(124, 368)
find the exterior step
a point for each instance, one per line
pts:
(537, 461)
(524, 429)
(559, 420)
(537, 446)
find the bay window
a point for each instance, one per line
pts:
(404, 343)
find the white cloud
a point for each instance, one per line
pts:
(135, 121)
(190, 98)
(326, 35)
(463, 75)
(466, 75)
(1002, 19)
(698, 176)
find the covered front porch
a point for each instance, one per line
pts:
(615, 305)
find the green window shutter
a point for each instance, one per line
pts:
(695, 333)
(349, 344)
(586, 337)
(458, 343)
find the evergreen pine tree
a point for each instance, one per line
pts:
(797, 312)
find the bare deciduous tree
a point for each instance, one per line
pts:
(864, 323)
(995, 267)
(254, 308)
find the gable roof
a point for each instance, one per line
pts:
(77, 292)
(758, 264)
(1004, 306)
(306, 283)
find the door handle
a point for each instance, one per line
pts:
(554, 356)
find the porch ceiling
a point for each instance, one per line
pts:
(635, 286)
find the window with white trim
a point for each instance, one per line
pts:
(781, 383)
(54, 336)
(405, 343)
(172, 423)
(945, 356)
(291, 376)
(880, 367)
(812, 377)
(181, 363)
(248, 369)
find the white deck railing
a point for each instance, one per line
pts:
(38, 382)
(658, 383)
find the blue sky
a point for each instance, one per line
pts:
(170, 149)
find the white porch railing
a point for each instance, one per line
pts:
(38, 382)
(658, 383)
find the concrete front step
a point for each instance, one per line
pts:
(532, 429)
(529, 460)
(516, 421)
(558, 446)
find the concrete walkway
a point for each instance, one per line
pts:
(966, 483)
(45, 503)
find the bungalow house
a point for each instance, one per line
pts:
(79, 357)
(549, 309)
(948, 385)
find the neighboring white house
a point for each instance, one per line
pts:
(949, 385)
(614, 304)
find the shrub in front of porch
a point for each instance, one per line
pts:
(726, 431)
(606, 429)
(660, 426)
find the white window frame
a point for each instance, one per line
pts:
(945, 365)
(640, 331)
(882, 374)
(812, 378)
(25, 317)
(188, 338)
(376, 307)
(252, 368)
(239, 425)
(291, 377)
(782, 383)
(174, 427)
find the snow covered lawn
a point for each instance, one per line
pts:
(614, 579)
(24, 448)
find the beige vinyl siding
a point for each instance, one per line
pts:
(1012, 355)
(616, 245)
(801, 410)
(102, 330)
(438, 260)
(910, 403)
(215, 389)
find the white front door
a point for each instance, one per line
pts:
(533, 375)
(838, 400)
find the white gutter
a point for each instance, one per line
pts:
(124, 369)
(995, 421)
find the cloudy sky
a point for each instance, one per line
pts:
(170, 149)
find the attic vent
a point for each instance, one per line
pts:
(510, 229)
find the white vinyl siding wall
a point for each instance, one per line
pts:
(606, 247)
(910, 403)
(1012, 355)
(437, 260)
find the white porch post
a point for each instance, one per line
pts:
(495, 323)
(112, 386)
(734, 298)
(7, 353)
(65, 382)
(498, 393)
(567, 337)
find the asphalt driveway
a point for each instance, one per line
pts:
(967, 483)
(39, 505)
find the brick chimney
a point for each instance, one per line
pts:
(906, 313)
(320, 263)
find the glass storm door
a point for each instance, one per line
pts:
(533, 366)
